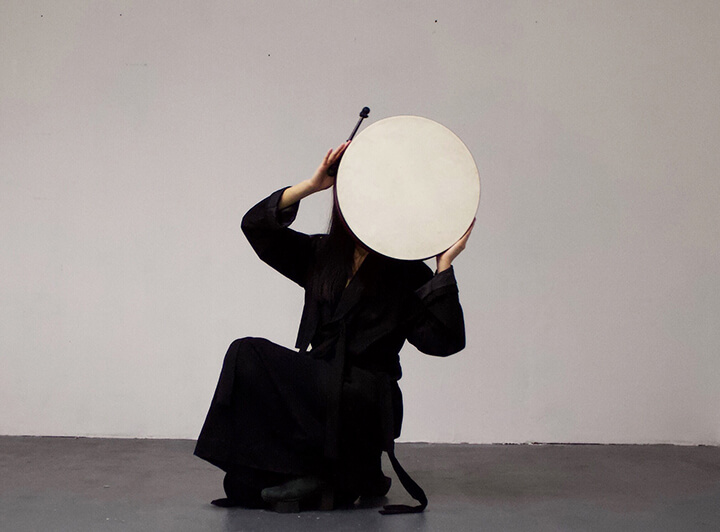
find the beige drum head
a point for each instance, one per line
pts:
(408, 187)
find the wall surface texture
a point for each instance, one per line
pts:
(134, 135)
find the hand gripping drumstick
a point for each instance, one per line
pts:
(333, 170)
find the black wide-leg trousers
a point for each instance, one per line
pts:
(268, 411)
(267, 421)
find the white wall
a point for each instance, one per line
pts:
(134, 135)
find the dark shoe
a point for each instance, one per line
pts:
(242, 489)
(345, 499)
(223, 503)
(377, 487)
(305, 493)
(235, 503)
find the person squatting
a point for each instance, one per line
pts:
(305, 429)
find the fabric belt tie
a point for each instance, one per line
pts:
(412, 487)
(415, 491)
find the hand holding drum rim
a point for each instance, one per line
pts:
(445, 259)
(321, 180)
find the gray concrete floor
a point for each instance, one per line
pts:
(69, 484)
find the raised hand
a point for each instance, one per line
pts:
(320, 179)
(444, 260)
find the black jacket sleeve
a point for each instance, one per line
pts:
(287, 251)
(438, 326)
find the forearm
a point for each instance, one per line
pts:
(319, 181)
(295, 193)
(443, 264)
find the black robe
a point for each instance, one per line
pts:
(334, 405)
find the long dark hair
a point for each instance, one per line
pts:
(336, 258)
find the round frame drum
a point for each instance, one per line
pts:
(408, 187)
